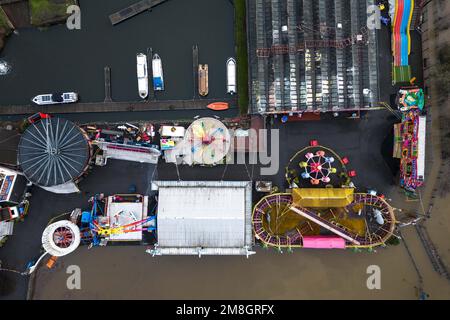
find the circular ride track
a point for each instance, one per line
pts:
(278, 226)
(61, 238)
(314, 166)
(53, 151)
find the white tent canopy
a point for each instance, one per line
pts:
(199, 217)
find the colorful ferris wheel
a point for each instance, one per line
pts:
(317, 167)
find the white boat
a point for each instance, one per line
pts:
(142, 75)
(158, 79)
(231, 76)
(55, 98)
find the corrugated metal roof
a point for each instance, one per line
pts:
(204, 214)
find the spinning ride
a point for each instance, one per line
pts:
(61, 238)
(208, 142)
(317, 167)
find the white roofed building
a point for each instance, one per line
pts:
(203, 218)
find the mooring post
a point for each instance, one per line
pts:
(195, 69)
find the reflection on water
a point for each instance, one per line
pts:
(5, 68)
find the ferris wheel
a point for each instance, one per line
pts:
(317, 167)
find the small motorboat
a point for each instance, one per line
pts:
(218, 106)
(203, 89)
(158, 78)
(231, 76)
(142, 75)
(55, 98)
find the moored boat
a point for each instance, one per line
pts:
(231, 76)
(55, 98)
(218, 106)
(203, 89)
(158, 79)
(142, 75)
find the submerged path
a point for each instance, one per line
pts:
(166, 105)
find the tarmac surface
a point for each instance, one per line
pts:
(361, 140)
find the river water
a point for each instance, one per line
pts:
(58, 59)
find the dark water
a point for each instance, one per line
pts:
(58, 59)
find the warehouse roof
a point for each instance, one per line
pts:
(201, 214)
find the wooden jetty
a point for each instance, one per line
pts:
(133, 10)
(195, 69)
(94, 107)
(108, 97)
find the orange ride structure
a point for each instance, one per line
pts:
(323, 218)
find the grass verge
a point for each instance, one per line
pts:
(5, 29)
(45, 12)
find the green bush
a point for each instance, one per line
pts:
(45, 12)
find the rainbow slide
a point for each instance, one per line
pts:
(401, 39)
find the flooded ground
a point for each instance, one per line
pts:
(57, 59)
(130, 273)
(306, 274)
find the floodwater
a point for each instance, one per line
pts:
(130, 273)
(58, 59)
(305, 274)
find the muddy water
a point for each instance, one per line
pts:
(267, 275)
(306, 274)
